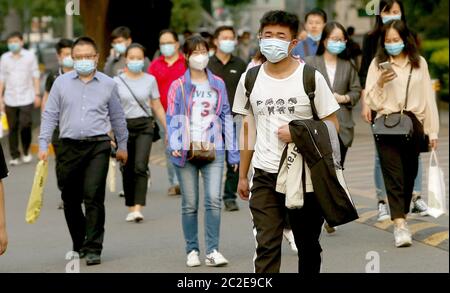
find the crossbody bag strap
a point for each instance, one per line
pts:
(407, 89)
(137, 101)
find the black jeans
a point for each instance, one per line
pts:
(231, 182)
(19, 121)
(344, 150)
(56, 143)
(135, 172)
(81, 173)
(399, 163)
(268, 211)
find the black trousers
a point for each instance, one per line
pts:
(344, 150)
(56, 143)
(19, 121)
(399, 164)
(231, 183)
(135, 172)
(81, 172)
(268, 211)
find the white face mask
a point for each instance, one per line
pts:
(199, 62)
(274, 50)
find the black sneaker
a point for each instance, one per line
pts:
(231, 206)
(93, 259)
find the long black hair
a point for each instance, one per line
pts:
(410, 49)
(386, 5)
(329, 27)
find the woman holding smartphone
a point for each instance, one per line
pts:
(385, 94)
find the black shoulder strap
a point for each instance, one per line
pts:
(137, 101)
(309, 84)
(250, 79)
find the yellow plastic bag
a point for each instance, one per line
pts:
(37, 192)
(4, 127)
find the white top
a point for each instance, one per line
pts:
(331, 72)
(203, 111)
(391, 98)
(144, 88)
(276, 102)
(17, 76)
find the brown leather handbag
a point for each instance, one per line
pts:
(199, 151)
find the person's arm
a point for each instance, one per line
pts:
(228, 130)
(158, 109)
(3, 234)
(118, 124)
(36, 82)
(376, 80)
(49, 120)
(333, 118)
(2, 85)
(355, 89)
(431, 121)
(247, 140)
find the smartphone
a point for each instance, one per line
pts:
(387, 66)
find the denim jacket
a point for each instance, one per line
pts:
(178, 119)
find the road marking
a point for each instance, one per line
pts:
(437, 238)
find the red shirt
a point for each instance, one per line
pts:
(166, 74)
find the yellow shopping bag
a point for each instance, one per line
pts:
(37, 192)
(4, 122)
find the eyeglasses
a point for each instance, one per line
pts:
(81, 57)
(338, 40)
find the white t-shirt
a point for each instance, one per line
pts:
(331, 72)
(276, 102)
(203, 110)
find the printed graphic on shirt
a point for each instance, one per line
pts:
(280, 106)
(204, 105)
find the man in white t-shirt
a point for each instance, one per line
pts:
(277, 98)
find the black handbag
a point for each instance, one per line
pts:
(399, 124)
(139, 124)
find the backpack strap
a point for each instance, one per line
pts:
(250, 79)
(309, 84)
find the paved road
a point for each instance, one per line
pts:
(156, 245)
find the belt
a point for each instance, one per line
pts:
(97, 138)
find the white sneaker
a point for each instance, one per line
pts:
(27, 159)
(287, 233)
(420, 207)
(130, 217)
(402, 236)
(215, 259)
(383, 213)
(14, 162)
(192, 259)
(138, 217)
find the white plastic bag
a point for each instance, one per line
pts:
(111, 178)
(436, 188)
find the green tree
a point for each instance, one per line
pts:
(186, 14)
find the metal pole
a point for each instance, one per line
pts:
(69, 23)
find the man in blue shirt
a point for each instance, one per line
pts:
(315, 21)
(85, 104)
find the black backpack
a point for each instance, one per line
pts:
(312, 138)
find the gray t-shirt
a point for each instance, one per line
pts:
(144, 88)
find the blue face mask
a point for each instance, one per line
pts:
(274, 50)
(67, 62)
(14, 47)
(135, 66)
(167, 50)
(389, 18)
(84, 66)
(315, 38)
(227, 46)
(395, 48)
(336, 48)
(120, 48)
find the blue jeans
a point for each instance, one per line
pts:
(173, 180)
(189, 184)
(379, 182)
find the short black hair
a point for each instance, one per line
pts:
(63, 43)
(191, 44)
(169, 31)
(223, 28)
(317, 11)
(283, 18)
(85, 41)
(350, 30)
(134, 46)
(121, 32)
(15, 35)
